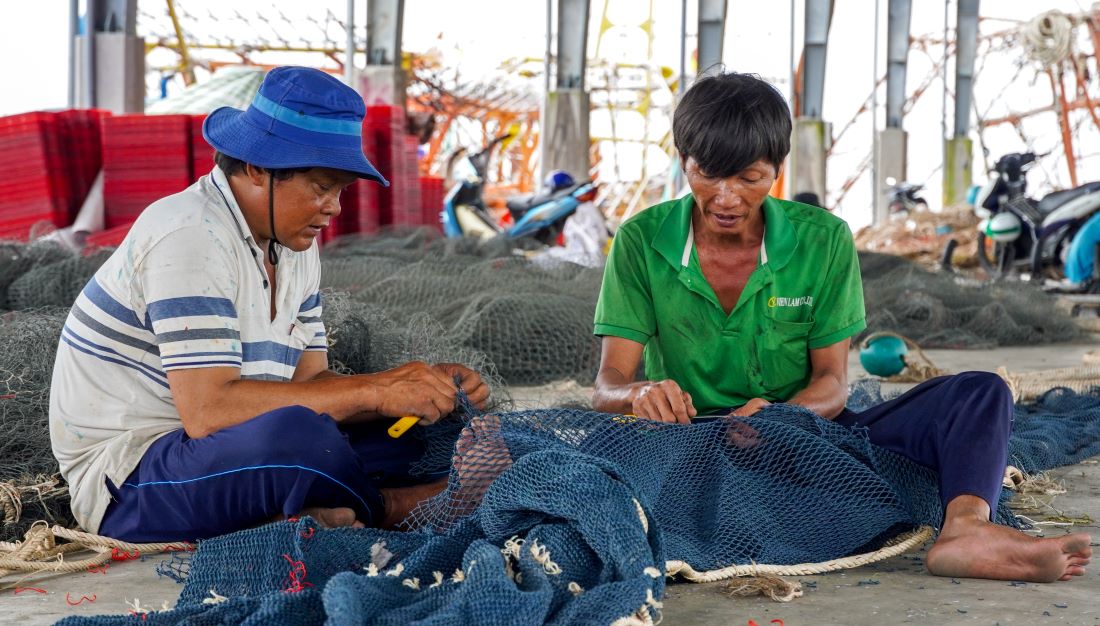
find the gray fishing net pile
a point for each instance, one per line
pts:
(29, 487)
(938, 310)
(389, 299)
(532, 319)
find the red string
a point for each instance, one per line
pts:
(144, 616)
(8, 396)
(19, 590)
(122, 555)
(777, 621)
(182, 548)
(309, 534)
(82, 599)
(101, 569)
(296, 578)
(292, 519)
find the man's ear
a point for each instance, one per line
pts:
(256, 175)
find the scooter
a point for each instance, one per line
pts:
(1019, 234)
(541, 216)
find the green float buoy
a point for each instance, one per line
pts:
(883, 355)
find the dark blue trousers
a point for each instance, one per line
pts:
(957, 425)
(244, 475)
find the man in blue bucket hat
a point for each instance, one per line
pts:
(191, 394)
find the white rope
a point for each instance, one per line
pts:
(898, 545)
(1048, 38)
(40, 550)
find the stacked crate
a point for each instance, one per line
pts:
(358, 209)
(202, 153)
(431, 201)
(109, 238)
(380, 126)
(82, 143)
(34, 188)
(405, 182)
(145, 158)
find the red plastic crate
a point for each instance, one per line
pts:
(202, 153)
(145, 158)
(84, 149)
(37, 187)
(109, 238)
(431, 201)
(20, 229)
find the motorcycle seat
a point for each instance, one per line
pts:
(522, 204)
(1054, 200)
(519, 206)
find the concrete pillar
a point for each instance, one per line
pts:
(565, 140)
(712, 32)
(816, 42)
(957, 169)
(809, 142)
(382, 81)
(382, 85)
(890, 162)
(958, 150)
(119, 73)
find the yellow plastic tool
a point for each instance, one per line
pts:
(400, 426)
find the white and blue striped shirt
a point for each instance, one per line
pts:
(186, 289)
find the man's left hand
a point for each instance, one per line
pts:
(750, 408)
(469, 380)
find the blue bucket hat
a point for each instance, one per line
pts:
(301, 117)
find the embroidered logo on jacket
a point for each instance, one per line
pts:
(799, 301)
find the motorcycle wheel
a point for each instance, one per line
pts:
(996, 258)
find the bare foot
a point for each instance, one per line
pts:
(977, 548)
(480, 456)
(401, 500)
(333, 518)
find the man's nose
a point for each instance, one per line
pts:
(728, 194)
(331, 205)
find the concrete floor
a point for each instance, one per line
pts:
(896, 591)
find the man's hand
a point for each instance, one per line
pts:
(750, 408)
(663, 401)
(469, 380)
(742, 435)
(415, 388)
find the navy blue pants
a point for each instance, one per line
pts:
(957, 425)
(244, 475)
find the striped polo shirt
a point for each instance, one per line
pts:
(186, 289)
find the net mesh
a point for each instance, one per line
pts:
(414, 295)
(938, 311)
(532, 319)
(570, 516)
(27, 465)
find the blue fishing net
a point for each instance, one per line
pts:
(568, 517)
(563, 516)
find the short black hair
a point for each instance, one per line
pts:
(230, 166)
(807, 197)
(729, 121)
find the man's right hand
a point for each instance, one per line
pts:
(663, 401)
(415, 388)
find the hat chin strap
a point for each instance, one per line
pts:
(272, 253)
